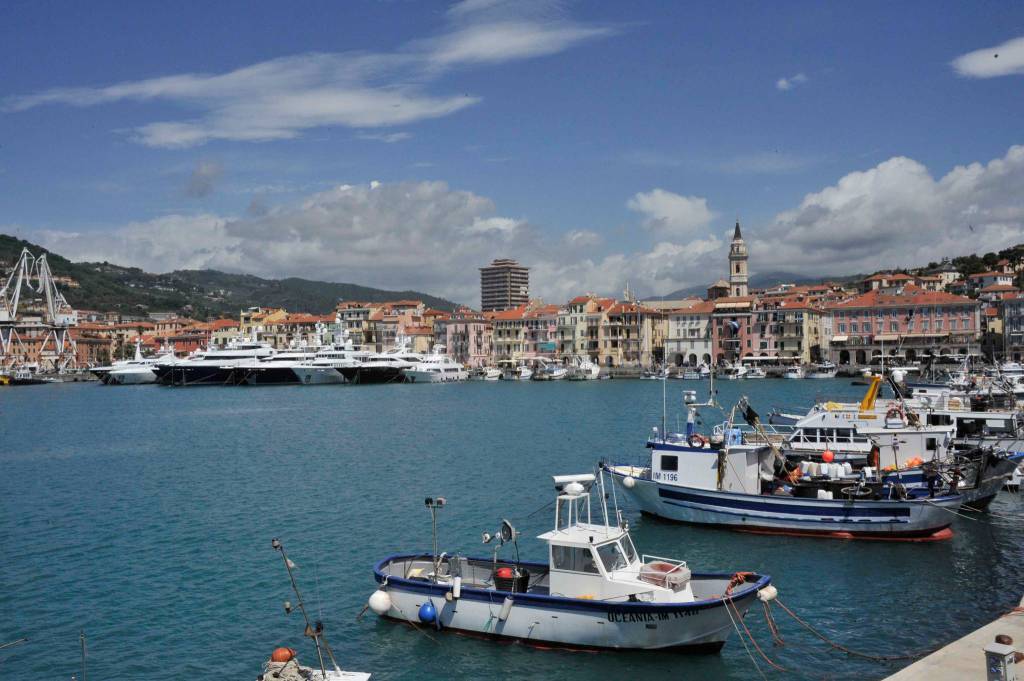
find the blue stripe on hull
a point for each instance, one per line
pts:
(785, 509)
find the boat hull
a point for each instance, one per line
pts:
(132, 377)
(318, 375)
(196, 374)
(777, 514)
(417, 376)
(552, 621)
(371, 375)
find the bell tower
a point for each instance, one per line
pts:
(738, 264)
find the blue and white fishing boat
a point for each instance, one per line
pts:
(595, 591)
(749, 485)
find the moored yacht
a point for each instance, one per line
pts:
(824, 369)
(326, 366)
(133, 371)
(437, 367)
(278, 369)
(384, 367)
(213, 366)
(795, 371)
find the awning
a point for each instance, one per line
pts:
(887, 337)
(840, 339)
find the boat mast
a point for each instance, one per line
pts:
(314, 632)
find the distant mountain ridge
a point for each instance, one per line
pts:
(758, 280)
(198, 293)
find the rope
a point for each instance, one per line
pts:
(773, 627)
(745, 646)
(854, 653)
(949, 510)
(729, 603)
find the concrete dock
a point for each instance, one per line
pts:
(964, 658)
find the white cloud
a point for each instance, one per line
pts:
(419, 235)
(387, 138)
(1002, 60)
(791, 82)
(897, 214)
(671, 214)
(281, 98)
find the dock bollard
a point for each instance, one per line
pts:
(1001, 659)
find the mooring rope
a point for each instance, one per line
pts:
(854, 653)
(729, 603)
(949, 510)
(745, 646)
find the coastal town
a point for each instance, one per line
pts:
(895, 318)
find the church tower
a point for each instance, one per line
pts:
(738, 264)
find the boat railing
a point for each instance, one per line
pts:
(763, 434)
(674, 562)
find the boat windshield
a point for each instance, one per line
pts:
(612, 556)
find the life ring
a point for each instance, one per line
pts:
(697, 440)
(893, 413)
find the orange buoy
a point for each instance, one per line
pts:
(827, 456)
(282, 655)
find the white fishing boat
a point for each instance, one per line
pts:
(756, 372)
(824, 369)
(583, 369)
(795, 371)
(593, 591)
(750, 486)
(692, 374)
(734, 372)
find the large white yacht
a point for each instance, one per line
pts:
(326, 366)
(384, 367)
(278, 369)
(137, 370)
(437, 367)
(213, 366)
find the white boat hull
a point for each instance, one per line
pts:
(920, 519)
(418, 376)
(133, 376)
(701, 626)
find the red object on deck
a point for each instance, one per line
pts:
(282, 655)
(504, 573)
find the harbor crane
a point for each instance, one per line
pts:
(42, 336)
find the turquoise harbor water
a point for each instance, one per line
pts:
(144, 515)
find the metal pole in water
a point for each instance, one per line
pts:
(81, 638)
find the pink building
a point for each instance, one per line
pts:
(466, 335)
(908, 323)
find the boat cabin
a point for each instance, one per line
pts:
(599, 561)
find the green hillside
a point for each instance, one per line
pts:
(198, 293)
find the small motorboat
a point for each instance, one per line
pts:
(756, 372)
(25, 376)
(595, 591)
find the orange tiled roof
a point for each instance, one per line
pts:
(998, 288)
(510, 314)
(981, 275)
(911, 295)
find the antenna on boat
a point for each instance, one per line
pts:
(313, 631)
(433, 504)
(663, 430)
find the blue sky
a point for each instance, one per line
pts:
(599, 142)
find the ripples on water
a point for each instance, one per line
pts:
(144, 516)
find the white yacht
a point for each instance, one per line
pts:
(213, 366)
(734, 372)
(384, 367)
(756, 372)
(327, 365)
(279, 369)
(437, 367)
(133, 371)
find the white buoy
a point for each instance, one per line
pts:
(457, 587)
(629, 482)
(769, 593)
(506, 608)
(380, 602)
(574, 489)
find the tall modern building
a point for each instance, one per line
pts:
(737, 264)
(504, 284)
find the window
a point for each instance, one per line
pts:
(669, 463)
(612, 556)
(894, 326)
(573, 559)
(854, 327)
(842, 328)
